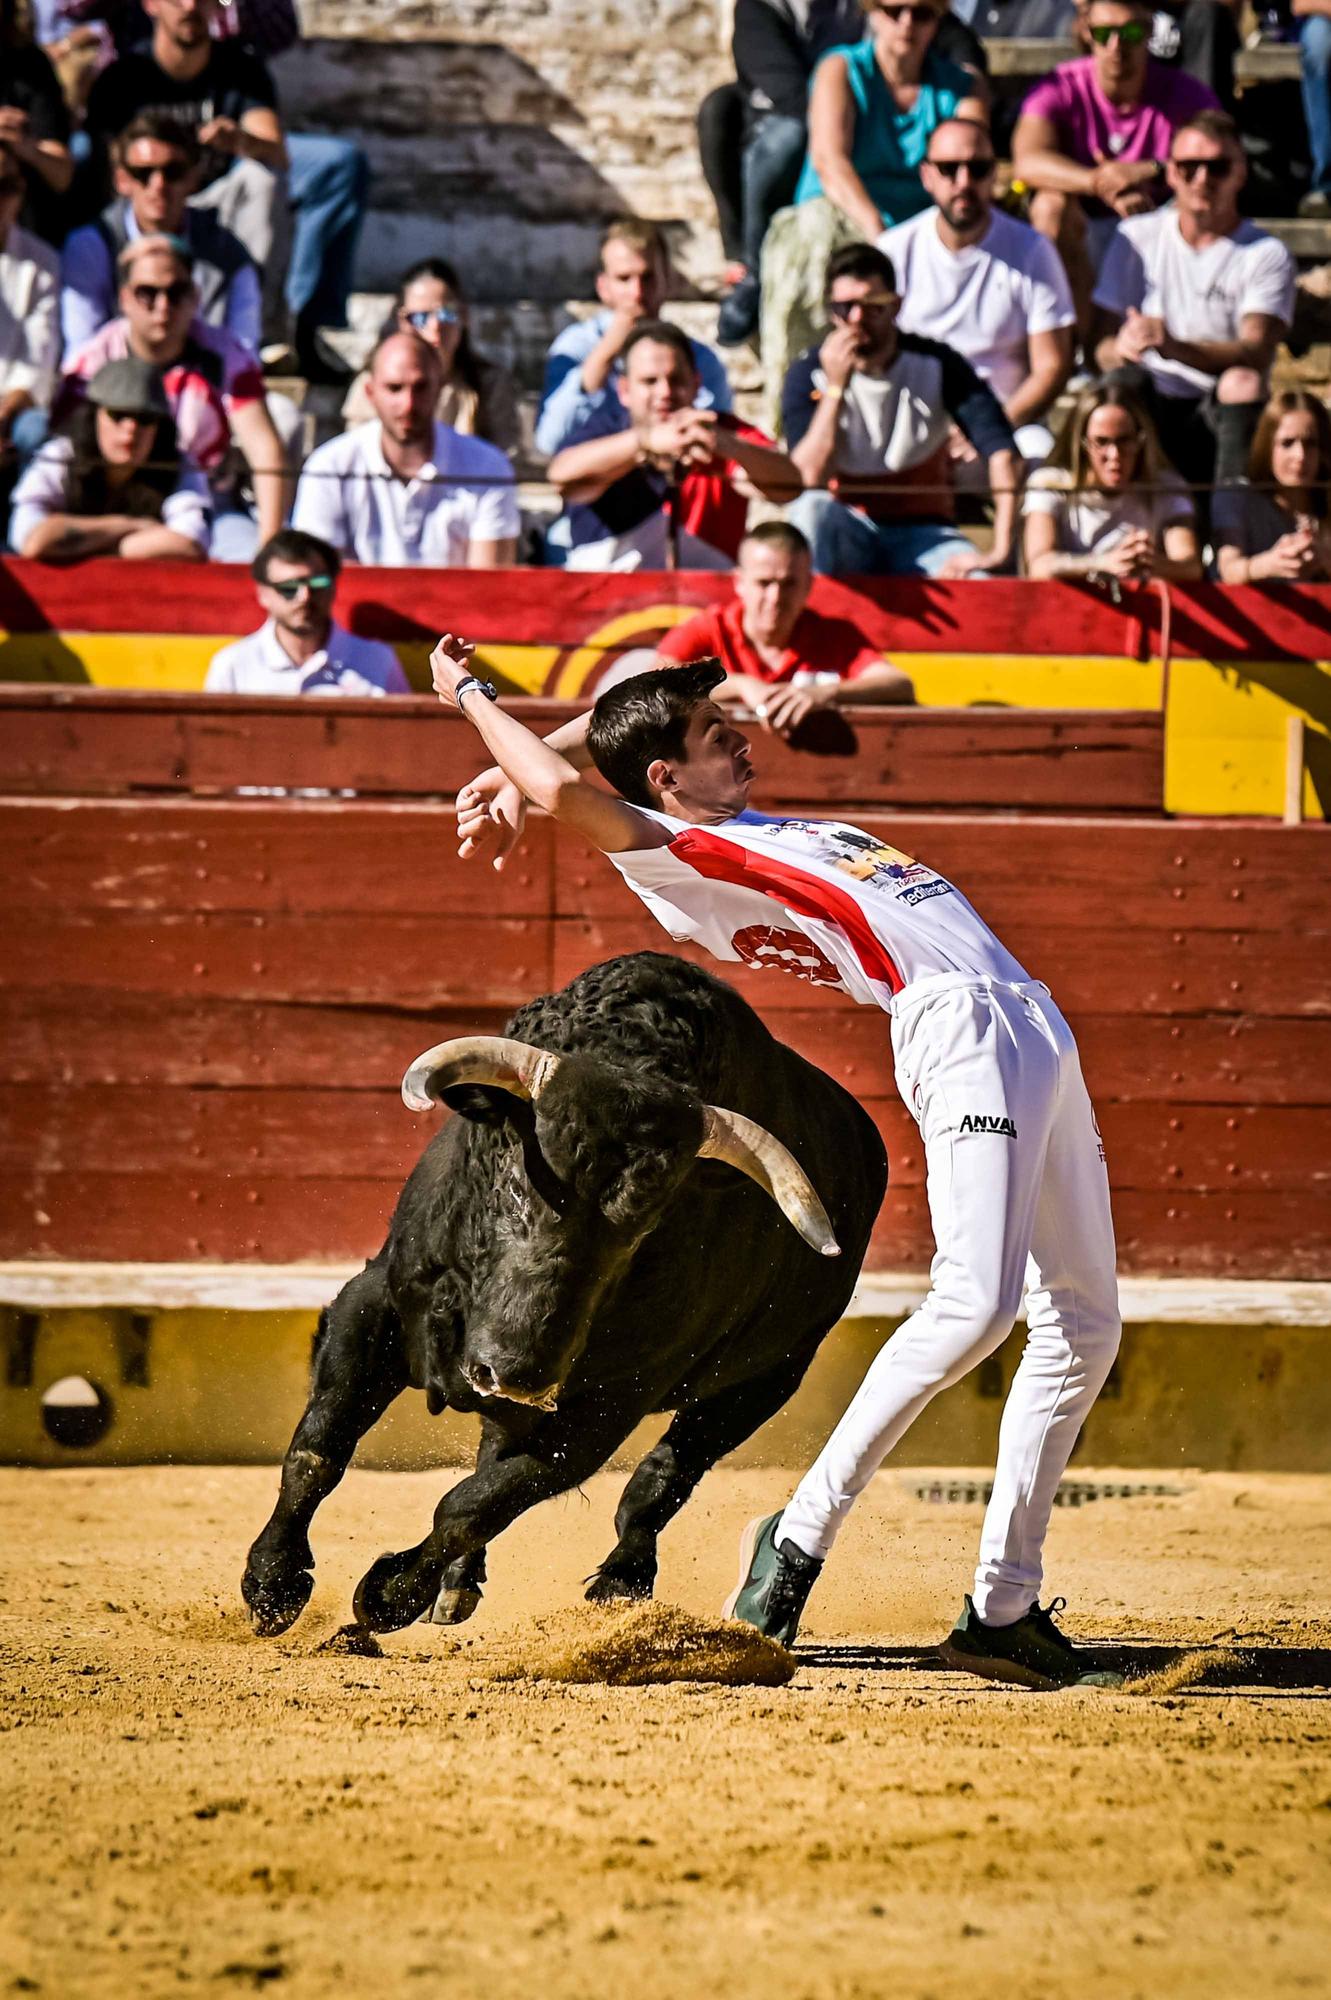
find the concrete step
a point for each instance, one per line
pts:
(1267, 62)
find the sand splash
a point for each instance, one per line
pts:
(643, 1645)
(1189, 1670)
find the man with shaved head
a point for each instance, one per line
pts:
(403, 489)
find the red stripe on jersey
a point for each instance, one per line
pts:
(725, 861)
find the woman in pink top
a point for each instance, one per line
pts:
(1091, 137)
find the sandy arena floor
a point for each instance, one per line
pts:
(188, 1807)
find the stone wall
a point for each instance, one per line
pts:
(504, 134)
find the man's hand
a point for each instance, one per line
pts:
(491, 816)
(838, 355)
(13, 127)
(960, 450)
(965, 562)
(221, 135)
(685, 437)
(1115, 180)
(450, 665)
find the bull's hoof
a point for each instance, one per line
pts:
(276, 1602)
(455, 1604)
(392, 1593)
(621, 1582)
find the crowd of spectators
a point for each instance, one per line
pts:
(996, 335)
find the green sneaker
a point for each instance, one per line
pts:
(774, 1583)
(1033, 1653)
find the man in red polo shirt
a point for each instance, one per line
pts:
(781, 659)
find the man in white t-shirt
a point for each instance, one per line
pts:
(984, 1061)
(981, 282)
(1191, 303)
(300, 648)
(404, 490)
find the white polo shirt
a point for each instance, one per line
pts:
(260, 664)
(348, 496)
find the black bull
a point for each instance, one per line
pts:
(562, 1261)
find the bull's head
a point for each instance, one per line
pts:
(607, 1148)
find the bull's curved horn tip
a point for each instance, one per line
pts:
(830, 1249)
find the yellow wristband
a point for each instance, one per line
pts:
(834, 392)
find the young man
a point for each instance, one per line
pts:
(984, 1061)
(783, 660)
(300, 648)
(671, 490)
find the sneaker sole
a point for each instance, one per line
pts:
(748, 1542)
(990, 1668)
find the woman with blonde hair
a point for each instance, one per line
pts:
(1106, 504)
(1274, 527)
(477, 396)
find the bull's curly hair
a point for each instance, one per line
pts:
(645, 718)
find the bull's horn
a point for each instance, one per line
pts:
(514, 1066)
(750, 1147)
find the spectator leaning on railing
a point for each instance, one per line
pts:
(1191, 304)
(29, 329)
(869, 412)
(981, 282)
(783, 660)
(405, 489)
(113, 483)
(1105, 505)
(300, 648)
(1275, 527)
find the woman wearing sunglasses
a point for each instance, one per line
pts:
(113, 482)
(1106, 505)
(478, 396)
(872, 108)
(1274, 528)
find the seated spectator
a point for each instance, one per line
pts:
(1016, 21)
(222, 92)
(1276, 527)
(580, 399)
(1106, 505)
(300, 648)
(872, 107)
(1314, 19)
(113, 483)
(752, 134)
(405, 489)
(979, 281)
(214, 387)
(783, 660)
(868, 414)
(1191, 303)
(29, 330)
(78, 42)
(476, 396)
(671, 491)
(154, 162)
(34, 125)
(1091, 137)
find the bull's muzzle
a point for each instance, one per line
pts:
(485, 1382)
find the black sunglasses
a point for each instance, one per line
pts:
(291, 587)
(876, 302)
(175, 294)
(907, 10)
(979, 170)
(1214, 170)
(425, 316)
(1132, 34)
(171, 172)
(140, 417)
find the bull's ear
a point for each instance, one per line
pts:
(486, 1104)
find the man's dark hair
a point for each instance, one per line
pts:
(646, 718)
(779, 535)
(293, 545)
(665, 335)
(859, 260)
(162, 129)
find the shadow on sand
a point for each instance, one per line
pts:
(1220, 1665)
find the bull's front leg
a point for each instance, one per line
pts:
(558, 1452)
(358, 1368)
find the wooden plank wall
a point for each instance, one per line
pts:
(206, 1005)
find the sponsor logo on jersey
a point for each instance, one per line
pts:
(978, 1121)
(924, 890)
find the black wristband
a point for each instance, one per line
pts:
(487, 688)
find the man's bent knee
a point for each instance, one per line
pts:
(1240, 385)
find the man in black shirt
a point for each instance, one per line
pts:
(34, 128)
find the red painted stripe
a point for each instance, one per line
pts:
(725, 861)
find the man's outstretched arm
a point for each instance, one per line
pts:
(540, 773)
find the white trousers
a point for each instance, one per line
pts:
(1019, 1199)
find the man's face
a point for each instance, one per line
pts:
(1205, 176)
(864, 305)
(1119, 36)
(773, 586)
(959, 175)
(404, 389)
(630, 281)
(714, 774)
(158, 300)
(298, 598)
(186, 23)
(656, 382)
(156, 180)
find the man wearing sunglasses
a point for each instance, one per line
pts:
(976, 279)
(155, 166)
(1091, 137)
(1191, 304)
(300, 648)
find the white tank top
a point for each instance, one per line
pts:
(814, 897)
